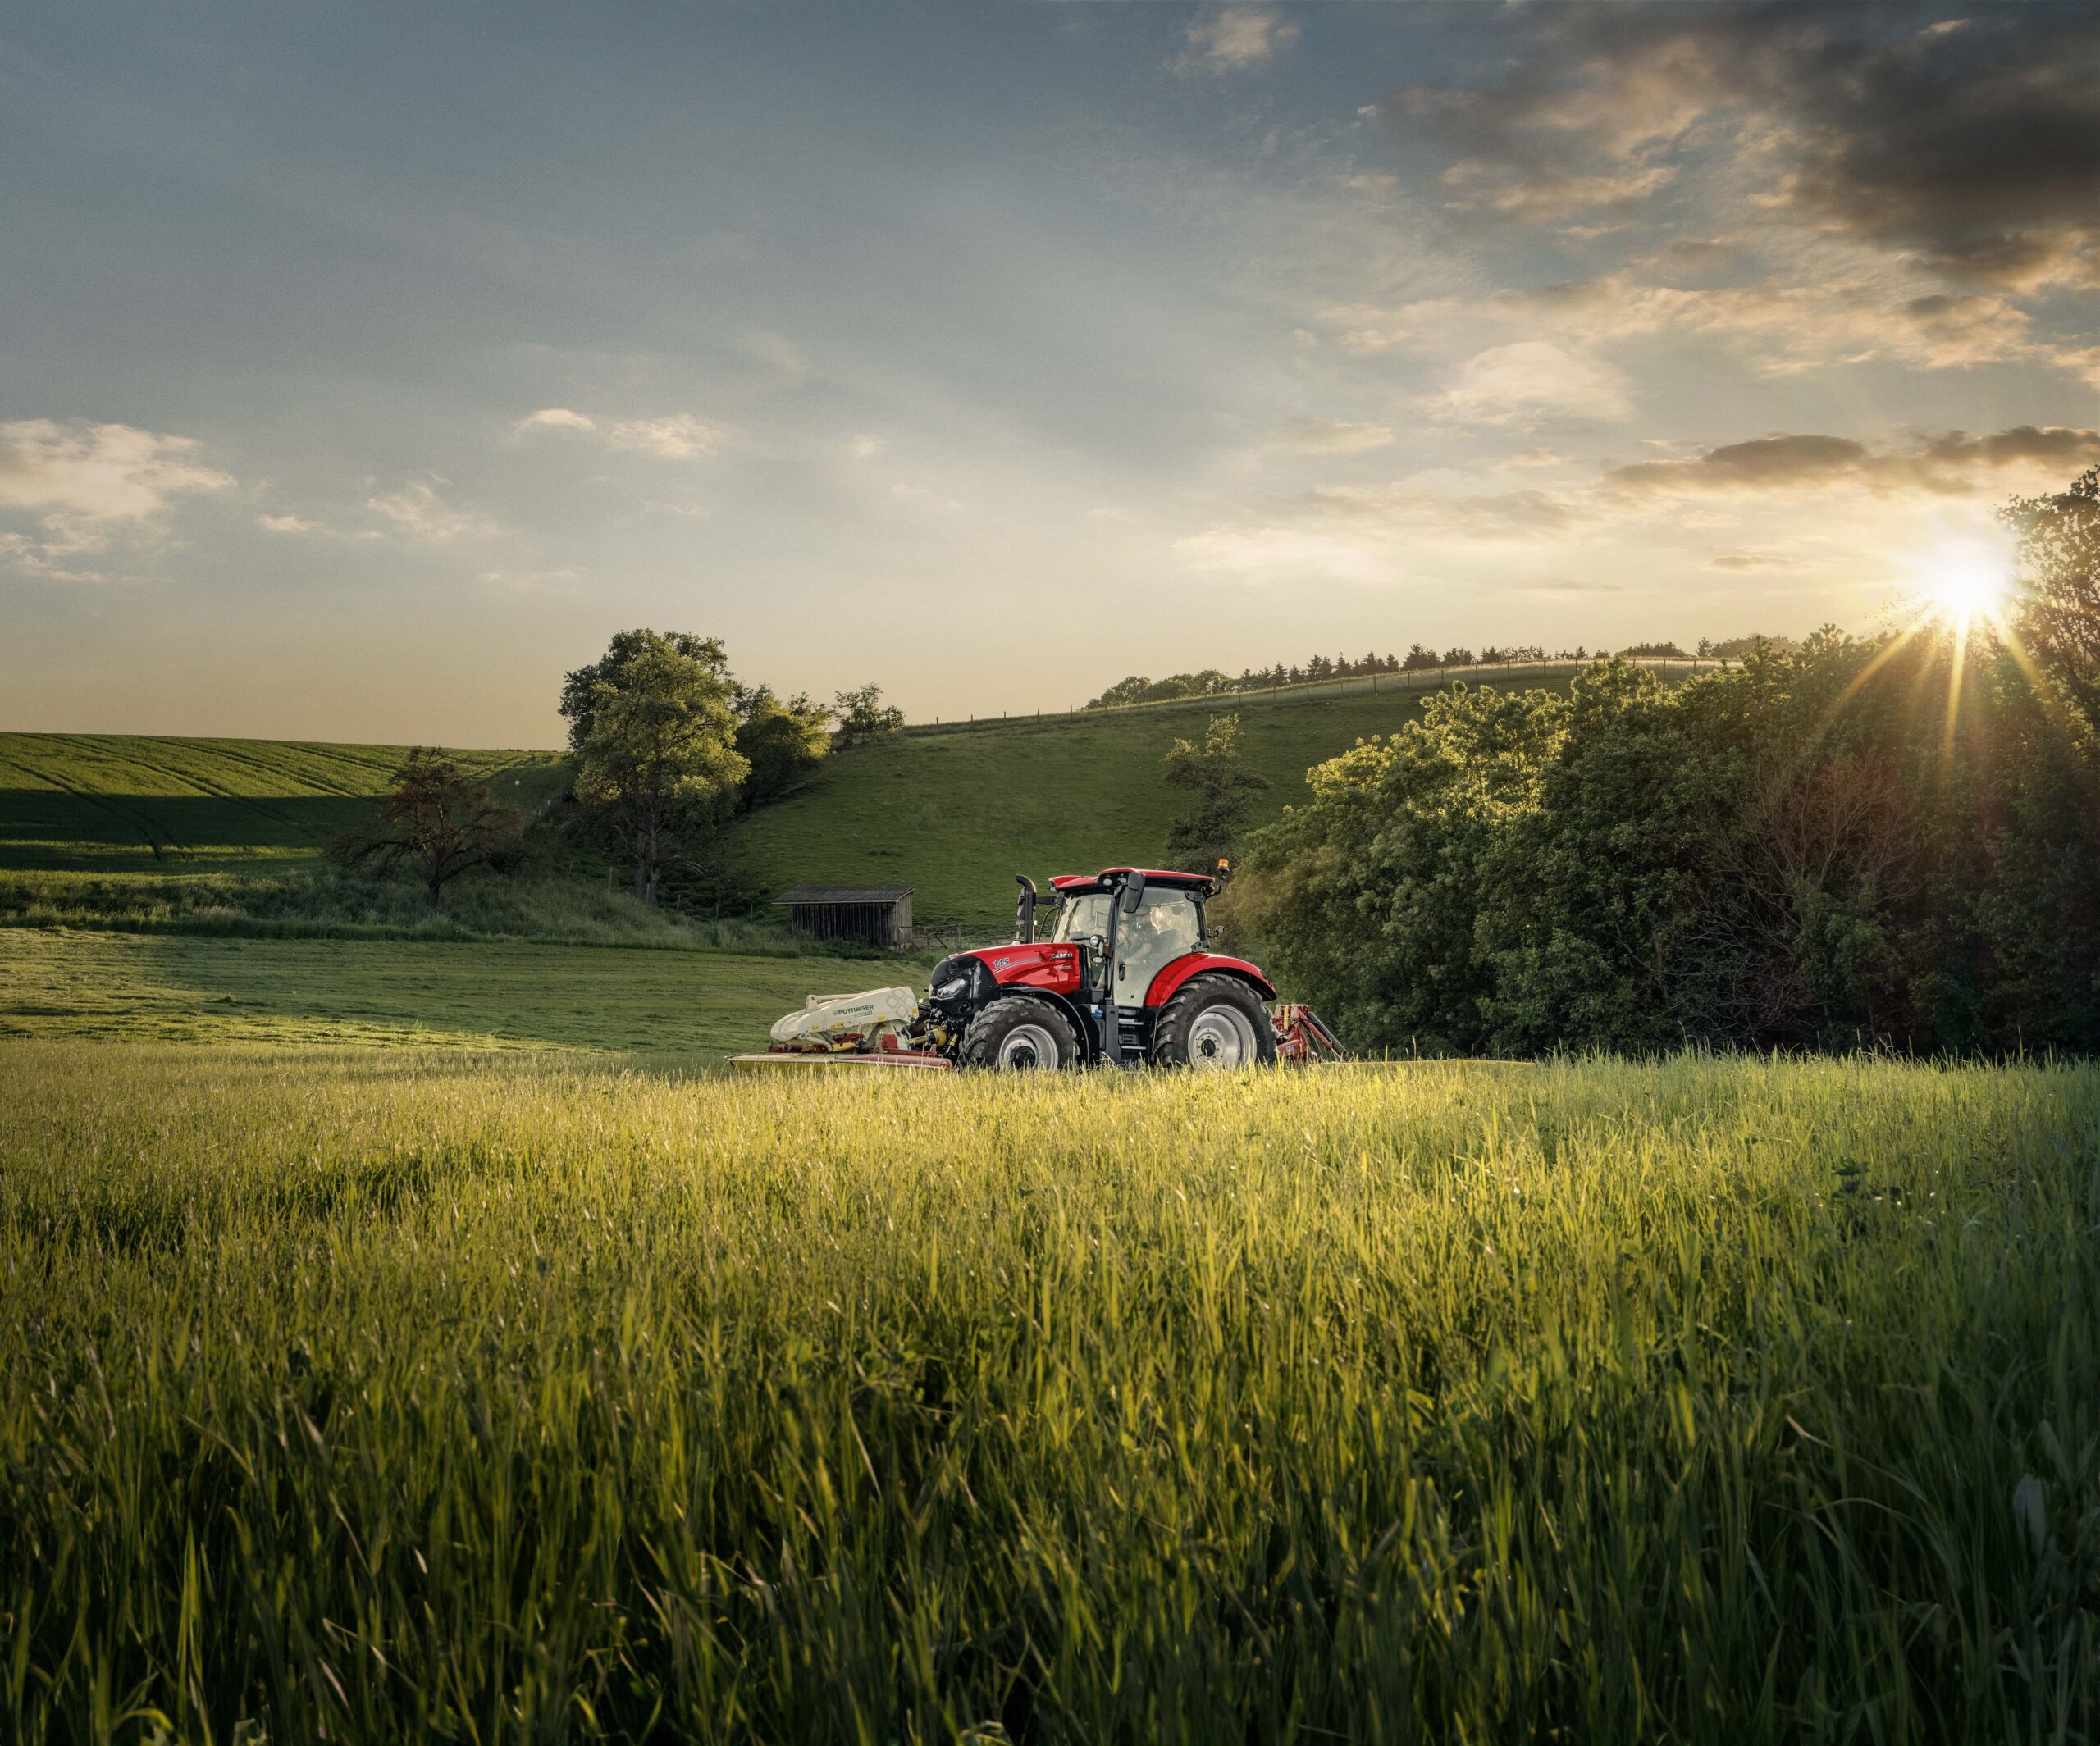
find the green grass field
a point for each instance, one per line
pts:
(132, 803)
(411, 1394)
(512, 994)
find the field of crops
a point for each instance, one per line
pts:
(406, 1395)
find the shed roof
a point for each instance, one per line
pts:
(814, 894)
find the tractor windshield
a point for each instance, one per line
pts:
(1084, 915)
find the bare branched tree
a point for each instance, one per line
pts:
(435, 817)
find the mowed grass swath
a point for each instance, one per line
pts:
(443, 1396)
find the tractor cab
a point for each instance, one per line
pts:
(1154, 919)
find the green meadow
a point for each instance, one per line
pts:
(132, 988)
(355, 1394)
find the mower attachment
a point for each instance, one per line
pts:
(1301, 1038)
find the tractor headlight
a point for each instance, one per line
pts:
(949, 990)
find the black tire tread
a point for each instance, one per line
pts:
(971, 1051)
(1170, 1045)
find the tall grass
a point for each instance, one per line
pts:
(494, 1400)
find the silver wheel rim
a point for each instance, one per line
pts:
(1222, 1037)
(1028, 1048)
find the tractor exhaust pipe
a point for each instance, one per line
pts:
(1024, 911)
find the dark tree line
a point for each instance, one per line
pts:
(1420, 657)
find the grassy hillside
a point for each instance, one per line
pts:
(193, 834)
(956, 814)
(132, 803)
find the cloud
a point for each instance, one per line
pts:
(1327, 436)
(1972, 147)
(419, 511)
(1787, 328)
(287, 524)
(1530, 379)
(557, 418)
(87, 483)
(1802, 326)
(85, 476)
(1279, 553)
(676, 436)
(1748, 561)
(1952, 465)
(1231, 38)
(1765, 464)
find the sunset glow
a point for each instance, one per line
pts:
(1962, 583)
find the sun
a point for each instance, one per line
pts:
(1960, 582)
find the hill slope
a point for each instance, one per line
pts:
(124, 803)
(956, 814)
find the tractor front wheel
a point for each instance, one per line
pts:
(1214, 1022)
(1018, 1034)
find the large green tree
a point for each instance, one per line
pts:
(864, 717)
(580, 690)
(1215, 773)
(782, 739)
(655, 737)
(2058, 612)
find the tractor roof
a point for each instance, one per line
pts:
(1152, 876)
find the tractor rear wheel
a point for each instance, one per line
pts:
(1213, 1023)
(1020, 1034)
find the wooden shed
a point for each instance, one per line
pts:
(881, 914)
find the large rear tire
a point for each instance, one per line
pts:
(1018, 1034)
(1213, 1023)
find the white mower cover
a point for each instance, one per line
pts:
(827, 1015)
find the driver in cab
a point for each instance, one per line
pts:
(1151, 939)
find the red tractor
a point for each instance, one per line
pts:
(1126, 977)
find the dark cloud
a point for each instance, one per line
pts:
(1972, 143)
(1767, 463)
(1956, 464)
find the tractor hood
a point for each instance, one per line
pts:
(1042, 964)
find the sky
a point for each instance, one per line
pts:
(363, 368)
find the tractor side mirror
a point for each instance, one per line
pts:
(1134, 895)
